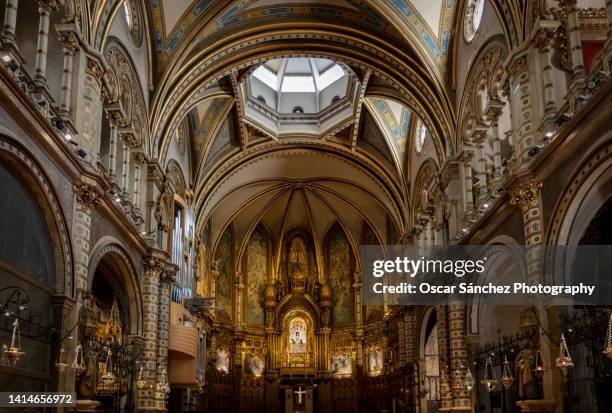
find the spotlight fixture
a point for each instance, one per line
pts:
(6, 58)
(486, 205)
(68, 136)
(549, 134)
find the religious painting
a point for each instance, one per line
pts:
(339, 268)
(255, 364)
(342, 365)
(298, 259)
(368, 237)
(222, 364)
(374, 362)
(256, 269)
(297, 336)
(224, 269)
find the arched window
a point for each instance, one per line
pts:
(420, 135)
(25, 244)
(297, 335)
(472, 18)
(127, 9)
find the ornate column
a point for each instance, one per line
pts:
(166, 278)
(325, 302)
(10, 21)
(70, 43)
(45, 9)
(522, 108)
(575, 42)
(479, 136)
(139, 160)
(458, 355)
(494, 111)
(542, 40)
(443, 349)
(125, 170)
(86, 199)
(154, 264)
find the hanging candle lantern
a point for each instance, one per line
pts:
(468, 381)
(564, 361)
(457, 383)
(108, 377)
(608, 349)
(60, 364)
(4, 359)
(78, 364)
(14, 353)
(489, 382)
(539, 368)
(507, 378)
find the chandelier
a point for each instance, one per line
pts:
(468, 381)
(60, 364)
(507, 378)
(79, 363)
(108, 377)
(564, 361)
(14, 352)
(539, 368)
(489, 382)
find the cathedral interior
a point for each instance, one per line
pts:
(185, 255)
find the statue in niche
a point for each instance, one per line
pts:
(297, 258)
(527, 383)
(297, 336)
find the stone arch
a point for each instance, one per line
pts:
(126, 281)
(27, 167)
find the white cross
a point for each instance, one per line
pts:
(299, 393)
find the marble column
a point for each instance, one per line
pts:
(458, 355)
(479, 137)
(125, 172)
(163, 324)
(45, 9)
(466, 159)
(443, 351)
(71, 45)
(575, 41)
(522, 105)
(139, 159)
(10, 21)
(112, 152)
(494, 111)
(543, 41)
(154, 265)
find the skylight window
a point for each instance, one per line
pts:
(267, 77)
(330, 76)
(298, 84)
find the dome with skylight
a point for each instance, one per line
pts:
(299, 96)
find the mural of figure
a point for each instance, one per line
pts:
(375, 362)
(339, 267)
(298, 259)
(255, 364)
(342, 364)
(223, 286)
(256, 269)
(223, 361)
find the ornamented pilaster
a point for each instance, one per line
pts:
(139, 160)
(45, 9)
(154, 265)
(543, 40)
(443, 351)
(575, 42)
(86, 199)
(526, 196)
(166, 278)
(494, 111)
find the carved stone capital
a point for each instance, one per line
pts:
(95, 70)
(517, 66)
(48, 6)
(169, 273)
(70, 41)
(466, 156)
(479, 134)
(526, 195)
(494, 110)
(86, 196)
(139, 158)
(154, 265)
